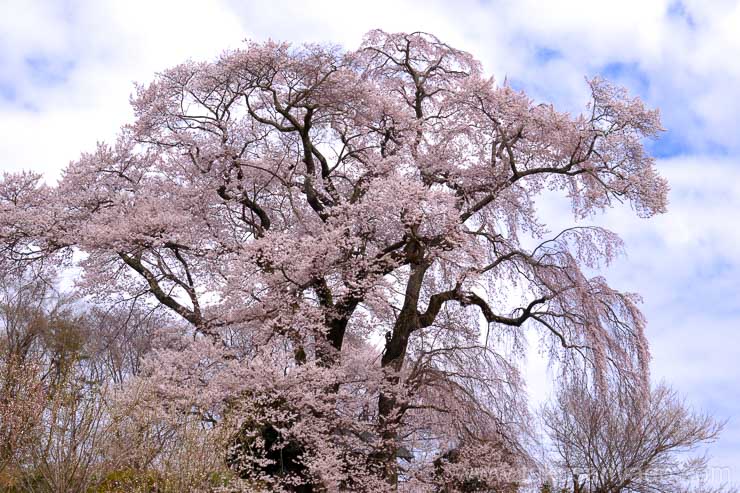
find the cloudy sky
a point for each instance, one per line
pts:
(67, 69)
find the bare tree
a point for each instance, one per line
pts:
(58, 362)
(26, 310)
(622, 439)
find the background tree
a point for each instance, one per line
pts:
(61, 362)
(626, 441)
(296, 207)
(21, 389)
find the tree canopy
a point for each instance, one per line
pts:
(339, 238)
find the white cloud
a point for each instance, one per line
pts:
(110, 46)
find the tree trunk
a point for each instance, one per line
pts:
(390, 410)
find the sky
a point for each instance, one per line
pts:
(68, 67)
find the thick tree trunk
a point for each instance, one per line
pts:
(390, 410)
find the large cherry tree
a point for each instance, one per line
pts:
(346, 236)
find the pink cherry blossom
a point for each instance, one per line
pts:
(342, 234)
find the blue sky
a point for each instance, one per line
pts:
(67, 69)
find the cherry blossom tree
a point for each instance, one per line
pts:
(345, 236)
